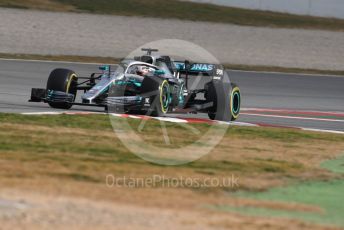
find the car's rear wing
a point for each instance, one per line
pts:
(200, 68)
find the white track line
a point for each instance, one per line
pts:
(171, 119)
(42, 113)
(134, 117)
(323, 130)
(244, 124)
(292, 117)
(293, 110)
(59, 113)
(116, 114)
(285, 73)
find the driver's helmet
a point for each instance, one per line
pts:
(144, 70)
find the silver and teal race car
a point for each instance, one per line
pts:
(150, 84)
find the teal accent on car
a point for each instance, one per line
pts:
(120, 82)
(168, 97)
(105, 90)
(136, 83)
(104, 67)
(159, 72)
(236, 109)
(196, 67)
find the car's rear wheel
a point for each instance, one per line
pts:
(235, 100)
(62, 80)
(226, 99)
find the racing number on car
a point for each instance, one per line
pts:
(219, 72)
(218, 75)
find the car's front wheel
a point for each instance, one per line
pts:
(65, 81)
(158, 92)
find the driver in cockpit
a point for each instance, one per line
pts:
(144, 70)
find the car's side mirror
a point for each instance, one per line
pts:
(104, 67)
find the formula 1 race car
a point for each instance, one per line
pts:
(153, 84)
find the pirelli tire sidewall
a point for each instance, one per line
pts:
(217, 93)
(160, 98)
(63, 80)
(235, 101)
(226, 99)
(164, 96)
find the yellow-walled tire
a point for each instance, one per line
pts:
(161, 98)
(235, 101)
(164, 97)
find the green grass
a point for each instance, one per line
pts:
(76, 177)
(183, 10)
(41, 153)
(102, 122)
(328, 195)
(83, 149)
(336, 165)
(96, 122)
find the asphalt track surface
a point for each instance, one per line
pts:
(274, 99)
